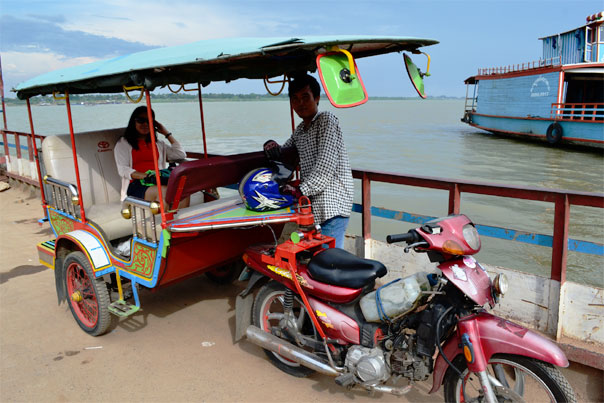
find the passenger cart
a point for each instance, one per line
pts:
(80, 186)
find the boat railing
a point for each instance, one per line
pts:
(536, 64)
(562, 200)
(578, 111)
(559, 241)
(21, 142)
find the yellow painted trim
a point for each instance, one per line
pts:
(43, 263)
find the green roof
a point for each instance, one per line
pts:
(207, 61)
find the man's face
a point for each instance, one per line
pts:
(304, 103)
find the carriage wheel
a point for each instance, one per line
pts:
(88, 296)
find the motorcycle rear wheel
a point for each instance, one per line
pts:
(523, 379)
(268, 313)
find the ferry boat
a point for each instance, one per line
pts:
(558, 99)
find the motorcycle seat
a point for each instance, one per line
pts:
(338, 267)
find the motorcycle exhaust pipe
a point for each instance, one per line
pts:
(289, 351)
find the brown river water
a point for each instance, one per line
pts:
(415, 137)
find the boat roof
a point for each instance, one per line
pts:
(209, 60)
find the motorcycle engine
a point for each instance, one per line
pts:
(367, 364)
(406, 361)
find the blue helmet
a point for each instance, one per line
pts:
(260, 191)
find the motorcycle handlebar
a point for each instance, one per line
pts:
(408, 237)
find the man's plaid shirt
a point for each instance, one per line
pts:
(324, 167)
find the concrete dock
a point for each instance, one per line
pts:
(178, 348)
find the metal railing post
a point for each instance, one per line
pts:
(454, 199)
(366, 215)
(560, 241)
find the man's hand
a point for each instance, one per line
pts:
(272, 150)
(291, 190)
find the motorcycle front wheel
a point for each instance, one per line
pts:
(269, 315)
(522, 379)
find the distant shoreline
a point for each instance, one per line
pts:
(107, 99)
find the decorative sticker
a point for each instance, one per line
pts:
(469, 261)
(459, 273)
(279, 271)
(512, 327)
(540, 87)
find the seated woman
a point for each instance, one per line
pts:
(134, 156)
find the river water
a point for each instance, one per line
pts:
(416, 137)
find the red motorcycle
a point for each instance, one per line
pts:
(317, 310)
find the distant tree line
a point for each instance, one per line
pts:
(180, 97)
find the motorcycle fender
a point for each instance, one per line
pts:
(495, 335)
(243, 306)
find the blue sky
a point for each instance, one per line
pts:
(37, 36)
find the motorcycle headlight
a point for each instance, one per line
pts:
(470, 234)
(500, 284)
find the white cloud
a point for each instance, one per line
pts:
(158, 23)
(18, 66)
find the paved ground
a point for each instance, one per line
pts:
(179, 348)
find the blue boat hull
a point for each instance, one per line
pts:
(573, 132)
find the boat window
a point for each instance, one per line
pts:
(585, 88)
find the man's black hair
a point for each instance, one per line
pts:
(301, 81)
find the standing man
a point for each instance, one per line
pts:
(326, 177)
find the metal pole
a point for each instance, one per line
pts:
(37, 158)
(560, 241)
(2, 96)
(366, 216)
(75, 157)
(155, 159)
(454, 199)
(203, 126)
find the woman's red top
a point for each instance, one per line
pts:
(142, 159)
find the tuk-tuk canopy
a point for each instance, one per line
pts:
(209, 60)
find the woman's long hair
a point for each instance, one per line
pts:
(131, 134)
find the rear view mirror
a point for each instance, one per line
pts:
(415, 75)
(341, 79)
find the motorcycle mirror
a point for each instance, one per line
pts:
(415, 75)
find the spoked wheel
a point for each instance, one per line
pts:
(88, 296)
(521, 379)
(269, 315)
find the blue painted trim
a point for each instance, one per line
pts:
(22, 147)
(137, 302)
(574, 245)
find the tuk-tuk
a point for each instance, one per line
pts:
(104, 248)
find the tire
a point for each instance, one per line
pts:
(87, 296)
(268, 312)
(226, 274)
(529, 378)
(554, 133)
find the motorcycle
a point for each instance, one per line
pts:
(317, 310)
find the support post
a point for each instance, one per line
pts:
(366, 215)
(160, 195)
(454, 199)
(37, 157)
(75, 158)
(560, 241)
(203, 126)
